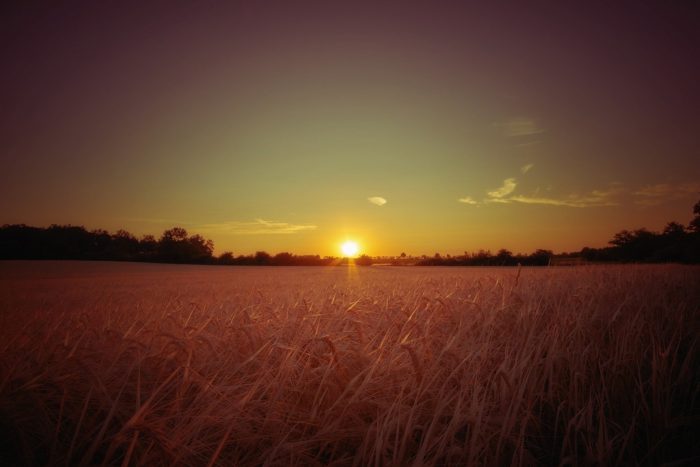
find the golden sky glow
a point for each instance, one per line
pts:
(442, 128)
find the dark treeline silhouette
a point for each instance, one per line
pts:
(262, 258)
(485, 258)
(676, 243)
(69, 242)
(77, 243)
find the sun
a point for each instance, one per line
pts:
(349, 249)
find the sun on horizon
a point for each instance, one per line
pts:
(350, 249)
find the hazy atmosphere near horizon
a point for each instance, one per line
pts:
(293, 126)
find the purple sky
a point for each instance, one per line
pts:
(279, 125)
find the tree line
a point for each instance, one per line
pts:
(675, 243)
(20, 241)
(263, 258)
(69, 242)
(486, 258)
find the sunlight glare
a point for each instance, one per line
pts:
(350, 249)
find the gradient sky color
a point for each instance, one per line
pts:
(293, 126)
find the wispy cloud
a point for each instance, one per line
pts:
(378, 200)
(653, 195)
(520, 127)
(504, 195)
(506, 188)
(257, 227)
(613, 195)
(592, 199)
(526, 168)
(468, 200)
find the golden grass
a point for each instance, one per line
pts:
(132, 364)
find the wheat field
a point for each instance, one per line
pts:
(143, 364)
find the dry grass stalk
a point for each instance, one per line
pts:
(309, 366)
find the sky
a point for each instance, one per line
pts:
(415, 127)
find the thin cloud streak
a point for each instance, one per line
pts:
(377, 200)
(526, 168)
(468, 200)
(507, 188)
(520, 127)
(497, 201)
(257, 227)
(595, 199)
(503, 195)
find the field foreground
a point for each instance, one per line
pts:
(148, 364)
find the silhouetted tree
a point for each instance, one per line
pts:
(670, 244)
(226, 258)
(20, 241)
(637, 245)
(176, 247)
(124, 246)
(199, 248)
(695, 222)
(148, 248)
(262, 258)
(540, 258)
(69, 242)
(284, 259)
(101, 245)
(505, 258)
(674, 230)
(176, 234)
(481, 258)
(171, 246)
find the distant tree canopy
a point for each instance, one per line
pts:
(176, 247)
(262, 258)
(486, 258)
(676, 243)
(75, 242)
(695, 222)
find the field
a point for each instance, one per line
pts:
(143, 364)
